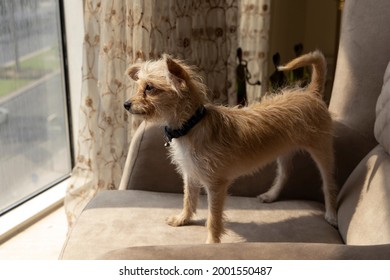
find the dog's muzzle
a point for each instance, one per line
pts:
(127, 105)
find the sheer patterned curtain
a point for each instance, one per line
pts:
(253, 38)
(119, 33)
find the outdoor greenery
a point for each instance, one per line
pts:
(32, 69)
(9, 85)
(47, 61)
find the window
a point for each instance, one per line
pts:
(35, 148)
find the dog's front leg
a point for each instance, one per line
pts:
(190, 203)
(216, 200)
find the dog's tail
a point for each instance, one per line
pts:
(317, 60)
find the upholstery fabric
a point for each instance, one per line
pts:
(361, 62)
(382, 122)
(364, 51)
(251, 251)
(137, 218)
(364, 211)
(149, 167)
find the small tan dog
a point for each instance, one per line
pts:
(213, 145)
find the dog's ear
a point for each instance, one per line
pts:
(133, 70)
(175, 68)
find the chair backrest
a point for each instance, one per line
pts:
(148, 166)
(364, 51)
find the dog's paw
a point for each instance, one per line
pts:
(331, 219)
(212, 240)
(266, 198)
(177, 221)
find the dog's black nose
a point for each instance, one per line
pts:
(127, 105)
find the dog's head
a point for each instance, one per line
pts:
(168, 90)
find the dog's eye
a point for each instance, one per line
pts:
(149, 88)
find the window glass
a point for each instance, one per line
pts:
(34, 139)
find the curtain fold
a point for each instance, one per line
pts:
(119, 33)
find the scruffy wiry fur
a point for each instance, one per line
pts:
(231, 142)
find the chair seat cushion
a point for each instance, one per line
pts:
(119, 219)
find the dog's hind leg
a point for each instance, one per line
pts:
(324, 158)
(283, 171)
(190, 203)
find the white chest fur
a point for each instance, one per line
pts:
(183, 158)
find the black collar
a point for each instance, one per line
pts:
(176, 133)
